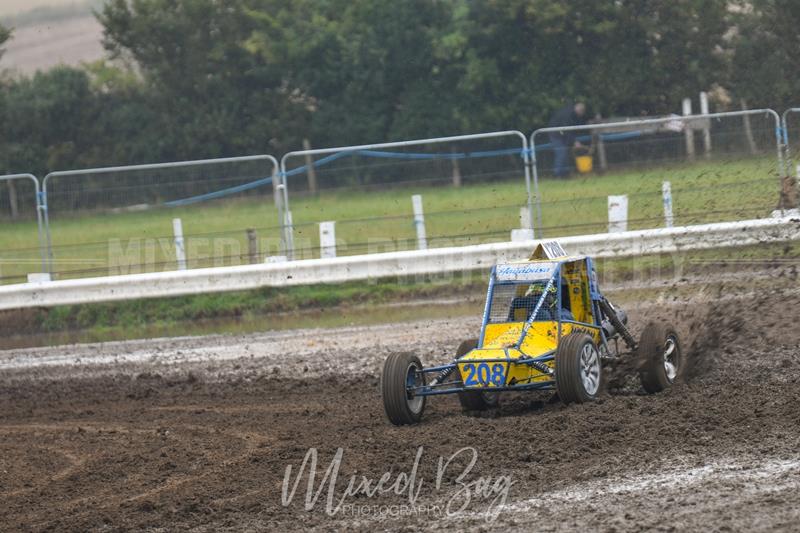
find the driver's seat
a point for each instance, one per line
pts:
(522, 307)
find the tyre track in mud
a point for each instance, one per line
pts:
(181, 438)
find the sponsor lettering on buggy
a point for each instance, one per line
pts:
(581, 329)
(525, 272)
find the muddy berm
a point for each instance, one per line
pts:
(546, 326)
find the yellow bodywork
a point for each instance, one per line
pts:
(494, 364)
(499, 352)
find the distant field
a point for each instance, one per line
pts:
(97, 244)
(12, 7)
(49, 33)
(45, 45)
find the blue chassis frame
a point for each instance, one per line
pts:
(434, 390)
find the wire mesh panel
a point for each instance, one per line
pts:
(20, 246)
(791, 132)
(720, 167)
(472, 190)
(120, 220)
(516, 302)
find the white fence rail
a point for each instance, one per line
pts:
(394, 264)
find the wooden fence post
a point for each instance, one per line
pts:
(687, 129)
(311, 172)
(252, 245)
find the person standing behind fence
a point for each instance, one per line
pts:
(563, 141)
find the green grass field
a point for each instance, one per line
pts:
(102, 243)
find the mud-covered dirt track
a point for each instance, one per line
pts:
(197, 433)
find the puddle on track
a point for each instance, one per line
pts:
(324, 318)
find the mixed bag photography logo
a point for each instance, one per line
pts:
(454, 489)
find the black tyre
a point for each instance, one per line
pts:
(400, 372)
(475, 400)
(660, 357)
(578, 369)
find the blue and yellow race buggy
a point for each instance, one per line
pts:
(546, 326)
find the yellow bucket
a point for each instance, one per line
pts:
(583, 163)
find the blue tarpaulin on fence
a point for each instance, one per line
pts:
(608, 137)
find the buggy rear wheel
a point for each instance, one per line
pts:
(475, 400)
(402, 371)
(578, 369)
(660, 357)
(478, 400)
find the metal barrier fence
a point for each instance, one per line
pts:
(478, 159)
(480, 202)
(787, 141)
(18, 206)
(697, 154)
(789, 192)
(132, 193)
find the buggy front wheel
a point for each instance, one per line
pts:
(578, 369)
(402, 372)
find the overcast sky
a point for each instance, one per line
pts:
(12, 7)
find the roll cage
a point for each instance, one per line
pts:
(579, 284)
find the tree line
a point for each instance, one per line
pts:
(190, 79)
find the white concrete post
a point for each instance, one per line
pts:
(707, 129)
(525, 218)
(617, 213)
(525, 233)
(521, 235)
(180, 249)
(666, 194)
(419, 222)
(687, 128)
(327, 240)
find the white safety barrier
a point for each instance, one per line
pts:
(394, 264)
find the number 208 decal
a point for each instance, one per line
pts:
(483, 374)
